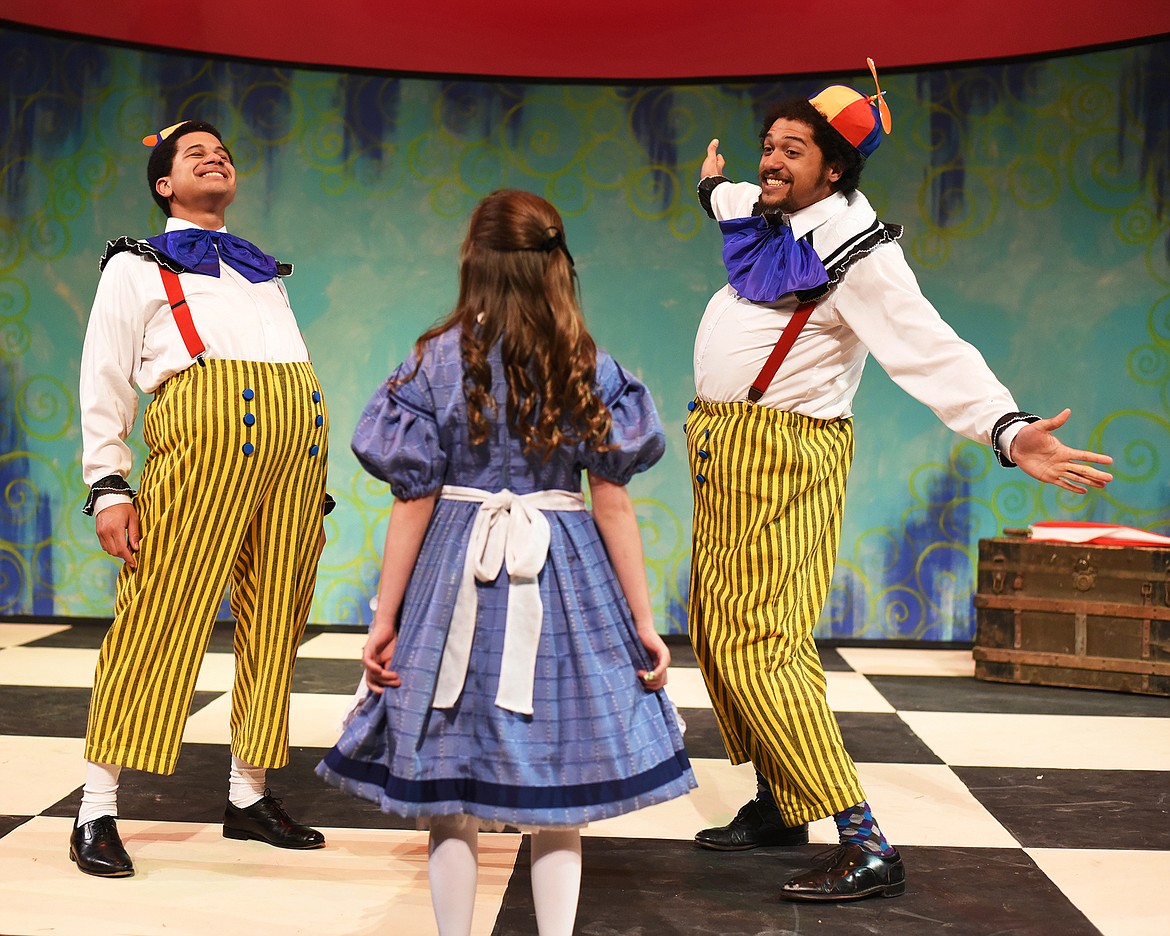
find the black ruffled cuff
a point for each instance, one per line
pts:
(110, 484)
(1008, 419)
(330, 503)
(705, 188)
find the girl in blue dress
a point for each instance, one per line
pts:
(513, 661)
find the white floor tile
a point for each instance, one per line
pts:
(334, 647)
(881, 661)
(216, 673)
(915, 804)
(190, 881)
(852, 692)
(722, 789)
(847, 692)
(65, 667)
(1121, 892)
(1085, 742)
(12, 635)
(685, 686)
(210, 724)
(927, 804)
(38, 772)
(72, 667)
(314, 720)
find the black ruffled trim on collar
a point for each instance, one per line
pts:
(848, 254)
(147, 251)
(142, 249)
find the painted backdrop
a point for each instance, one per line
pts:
(1035, 197)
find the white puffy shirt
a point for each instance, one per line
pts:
(876, 309)
(132, 340)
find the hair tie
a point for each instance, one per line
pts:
(555, 238)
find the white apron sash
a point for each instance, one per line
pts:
(509, 531)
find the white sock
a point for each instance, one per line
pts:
(453, 869)
(556, 879)
(246, 784)
(99, 796)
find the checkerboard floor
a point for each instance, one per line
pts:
(1018, 810)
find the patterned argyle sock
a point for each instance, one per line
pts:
(857, 825)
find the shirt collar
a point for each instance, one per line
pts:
(810, 218)
(181, 224)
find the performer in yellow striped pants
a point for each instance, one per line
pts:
(815, 285)
(769, 489)
(231, 495)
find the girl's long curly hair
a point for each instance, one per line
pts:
(517, 286)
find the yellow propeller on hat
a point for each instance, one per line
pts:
(880, 99)
(154, 139)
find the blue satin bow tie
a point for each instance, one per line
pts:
(195, 250)
(764, 261)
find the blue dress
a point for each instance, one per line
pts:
(597, 743)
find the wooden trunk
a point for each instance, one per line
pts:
(1088, 617)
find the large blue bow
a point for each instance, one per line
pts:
(764, 261)
(195, 250)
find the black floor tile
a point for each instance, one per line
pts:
(327, 807)
(683, 654)
(314, 801)
(958, 694)
(223, 638)
(87, 636)
(632, 886)
(832, 661)
(883, 738)
(870, 737)
(197, 792)
(681, 651)
(202, 699)
(310, 799)
(44, 711)
(1127, 809)
(702, 738)
(8, 823)
(314, 630)
(47, 711)
(329, 676)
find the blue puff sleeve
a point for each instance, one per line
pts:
(637, 432)
(397, 436)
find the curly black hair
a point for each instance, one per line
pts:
(837, 151)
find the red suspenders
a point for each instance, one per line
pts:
(783, 346)
(182, 314)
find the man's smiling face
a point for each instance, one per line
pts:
(793, 172)
(202, 176)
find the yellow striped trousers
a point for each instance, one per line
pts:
(231, 494)
(769, 488)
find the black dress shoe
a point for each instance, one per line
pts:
(757, 824)
(97, 849)
(848, 872)
(265, 821)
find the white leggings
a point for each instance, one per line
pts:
(453, 869)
